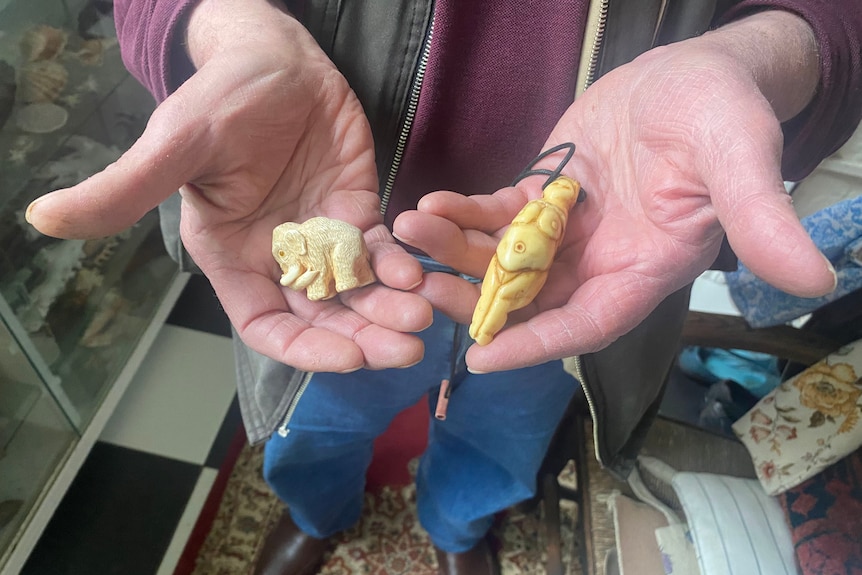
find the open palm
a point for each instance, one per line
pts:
(674, 150)
(254, 139)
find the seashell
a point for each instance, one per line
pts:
(111, 307)
(41, 118)
(42, 81)
(8, 87)
(87, 280)
(91, 51)
(100, 251)
(43, 43)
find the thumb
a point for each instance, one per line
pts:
(162, 160)
(762, 227)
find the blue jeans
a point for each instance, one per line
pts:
(482, 459)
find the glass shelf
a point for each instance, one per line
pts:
(35, 436)
(74, 315)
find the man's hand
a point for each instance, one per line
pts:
(266, 131)
(674, 150)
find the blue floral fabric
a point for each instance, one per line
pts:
(837, 231)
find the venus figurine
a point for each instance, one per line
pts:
(520, 265)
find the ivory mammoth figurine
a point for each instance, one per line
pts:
(520, 265)
(323, 256)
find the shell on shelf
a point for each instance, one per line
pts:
(105, 323)
(42, 81)
(41, 118)
(91, 51)
(43, 42)
(88, 279)
(99, 251)
(59, 261)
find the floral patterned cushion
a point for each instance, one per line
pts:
(807, 423)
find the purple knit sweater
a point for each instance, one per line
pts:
(467, 138)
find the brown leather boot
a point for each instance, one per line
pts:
(480, 560)
(289, 551)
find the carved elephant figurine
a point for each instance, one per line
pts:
(323, 256)
(523, 258)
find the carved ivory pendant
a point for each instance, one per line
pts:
(323, 256)
(523, 258)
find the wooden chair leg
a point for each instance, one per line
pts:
(554, 548)
(566, 448)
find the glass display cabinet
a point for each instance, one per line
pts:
(76, 317)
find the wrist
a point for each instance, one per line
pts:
(215, 26)
(779, 51)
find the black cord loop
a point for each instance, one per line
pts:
(552, 174)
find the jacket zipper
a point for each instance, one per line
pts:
(412, 105)
(578, 364)
(595, 33)
(283, 430)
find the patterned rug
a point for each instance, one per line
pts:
(388, 539)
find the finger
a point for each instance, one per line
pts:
(380, 346)
(451, 294)
(766, 235)
(395, 310)
(761, 225)
(309, 348)
(312, 336)
(269, 324)
(155, 167)
(487, 213)
(599, 312)
(393, 266)
(467, 251)
(384, 349)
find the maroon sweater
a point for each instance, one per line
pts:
(468, 138)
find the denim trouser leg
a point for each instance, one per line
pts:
(481, 460)
(318, 469)
(485, 456)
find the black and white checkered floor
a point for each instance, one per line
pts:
(137, 496)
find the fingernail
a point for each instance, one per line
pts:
(351, 370)
(28, 211)
(831, 269)
(476, 371)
